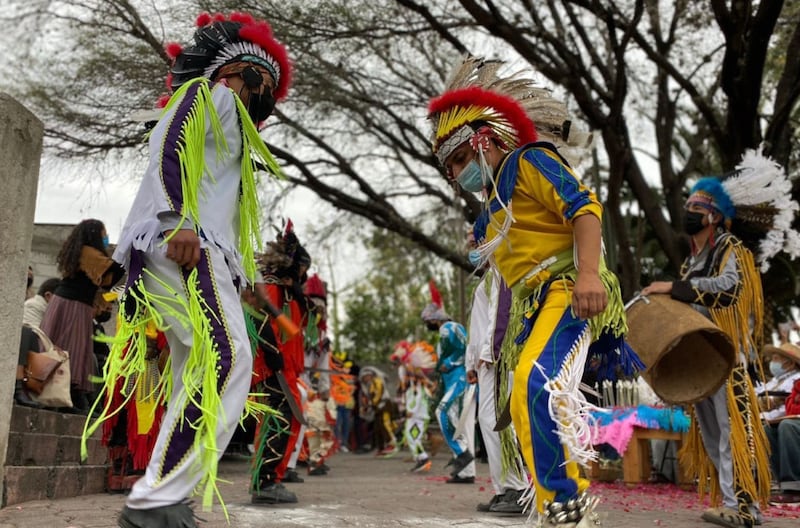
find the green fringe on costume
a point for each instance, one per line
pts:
(253, 147)
(191, 149)
(749, 445)
(524, 303)
(127, 360)
(272, 424)
(191, 154)
(129, 345)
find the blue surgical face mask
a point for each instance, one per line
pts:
(470, 178)
(105, 241)
(776, 368)
(474, 257)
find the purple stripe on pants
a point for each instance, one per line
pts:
(184, 434)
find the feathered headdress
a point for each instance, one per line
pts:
(515, 109)
(315, 287)
(401, 352)
(755, 201)
(283, 256)
(435, 310)
(221, 40)
(422, 356)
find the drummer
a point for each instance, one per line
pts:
(782, 423)
(719, 279)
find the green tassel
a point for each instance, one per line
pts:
(191, 150)
(524, 302)
(253, 149)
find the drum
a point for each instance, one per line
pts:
(687, 356)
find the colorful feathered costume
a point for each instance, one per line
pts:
(526, 232)
(201, 177)
(727, 446)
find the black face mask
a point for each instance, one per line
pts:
(693, 222)
(103, 317)
(433, 327)
(259, 106)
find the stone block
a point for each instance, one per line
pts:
(23, 484)
(32, 449)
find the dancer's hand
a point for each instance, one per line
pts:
(589, 296)
(183, 248)
(472, 377)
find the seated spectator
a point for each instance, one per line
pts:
(783, 366)
(29, 341)
(28, 287)
(782, 420)
(34, 308)
(85, 268)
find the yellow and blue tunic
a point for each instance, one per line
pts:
(546, 344)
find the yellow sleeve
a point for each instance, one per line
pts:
(555, 186)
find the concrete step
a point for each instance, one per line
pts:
(28, 483)
(40, 449)
(28, 420)
(43, 457)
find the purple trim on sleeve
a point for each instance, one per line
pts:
(173, 143)
(501, 318)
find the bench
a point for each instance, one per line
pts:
(636, 463)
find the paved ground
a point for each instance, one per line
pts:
(362, 491)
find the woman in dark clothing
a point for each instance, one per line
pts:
(85, 268)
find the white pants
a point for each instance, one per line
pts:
(174, 471)
(487, 420)
(298, 446)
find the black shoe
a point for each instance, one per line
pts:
(21, 396)
(172, 516)
(274, 493)
(487, 506)
(293, 477)
(460, 462)
(455, 479)
(508, 505)
(422, 465)
(317, 471)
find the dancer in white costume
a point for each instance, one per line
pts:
(188, 245)
(491, 303)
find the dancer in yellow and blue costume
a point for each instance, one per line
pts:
(540, 229)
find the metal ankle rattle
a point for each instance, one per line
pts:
(571, 511)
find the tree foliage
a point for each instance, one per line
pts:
(385, 306)
(674, 89)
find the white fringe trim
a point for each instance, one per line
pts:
(568, 406)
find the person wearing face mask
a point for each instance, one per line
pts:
(720, 280)
(506, 138)
(784, 366)
(781, 416)
(188, 246)
(86, 269)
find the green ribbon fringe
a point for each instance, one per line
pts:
(524, 302)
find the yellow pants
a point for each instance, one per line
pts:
(555, 331)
